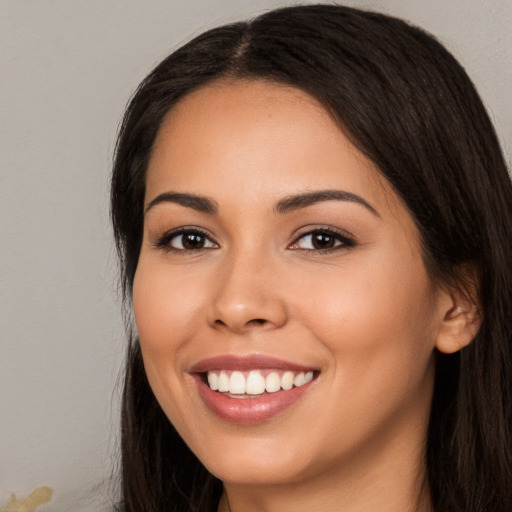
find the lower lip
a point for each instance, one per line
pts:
(249, 410)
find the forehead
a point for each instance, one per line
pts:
(257, 136)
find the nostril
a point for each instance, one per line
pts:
(234, 311)
(257, 321)
(254, 322)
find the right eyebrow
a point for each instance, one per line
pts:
(200, 203)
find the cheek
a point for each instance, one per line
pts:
(379, 333)
(377, 322)
(162, 310)
(165, 304)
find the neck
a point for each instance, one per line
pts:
(355, 496)
(367, 483)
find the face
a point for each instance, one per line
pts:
(280, 267)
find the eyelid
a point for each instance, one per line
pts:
(163, 241)
(347, 240)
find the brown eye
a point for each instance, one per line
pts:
(192, 241)
(322, 240)
(188, 241)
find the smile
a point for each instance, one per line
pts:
(246, 384)
(252, 389)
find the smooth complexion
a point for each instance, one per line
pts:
(233, 265)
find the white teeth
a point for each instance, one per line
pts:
(255, 383)
(223, 382)
(272, 382)
(298, 380)
(287, 380)
(213, 381)
(237, 383)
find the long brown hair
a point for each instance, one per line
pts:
(408, 105)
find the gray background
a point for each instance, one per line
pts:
(67, 69)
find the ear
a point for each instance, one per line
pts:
(462, 315)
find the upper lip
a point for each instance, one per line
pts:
(249, 362)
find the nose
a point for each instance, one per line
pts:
(247, 297)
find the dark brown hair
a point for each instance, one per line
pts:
(408, 105)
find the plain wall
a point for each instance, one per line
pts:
(67, 68)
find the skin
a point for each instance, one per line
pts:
(366, 314)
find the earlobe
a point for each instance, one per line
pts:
(460, 324)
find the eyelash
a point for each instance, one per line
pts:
(165, 241)
(341, 240)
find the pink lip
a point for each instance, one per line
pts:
(231, 362)
(247, 410)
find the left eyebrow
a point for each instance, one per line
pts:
(300, 201)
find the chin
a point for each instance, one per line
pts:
(257, 459)
(263, 470)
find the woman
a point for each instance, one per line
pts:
(314, 221)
